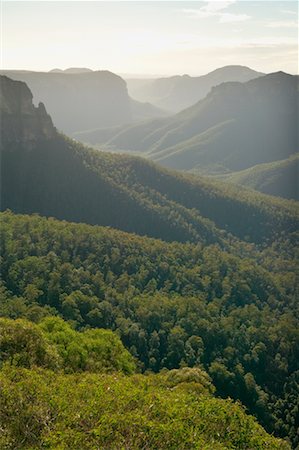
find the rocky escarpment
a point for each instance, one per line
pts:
(79, 101)
(20, 120)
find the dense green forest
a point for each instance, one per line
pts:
(231, 312)
(124, 340)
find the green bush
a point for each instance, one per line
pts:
(90, 350)
(54, 344)
(43, 409)
(24, 344)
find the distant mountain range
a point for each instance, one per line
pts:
(179, 92)
(44, 172)
(81, 99)
(71, 70)
(235, 127)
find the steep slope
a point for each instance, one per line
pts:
(279, 178)
(82, 99)
(57, 177)
(235, 127)
(179, 92)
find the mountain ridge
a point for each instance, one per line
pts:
(181, 91)
(255, 122)
(61, 178)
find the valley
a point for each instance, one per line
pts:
(149, 294)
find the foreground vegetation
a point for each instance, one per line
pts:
(76, 405)
(40, 409)
(173, 305)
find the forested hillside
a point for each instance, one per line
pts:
(47, 173)
(60, 178)
(149, 225)
(278, 178)
(232, 313)
(208, 310)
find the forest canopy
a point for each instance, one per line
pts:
(173, 306)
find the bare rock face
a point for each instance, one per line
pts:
(20, 120)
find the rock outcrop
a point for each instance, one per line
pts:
(20, 120)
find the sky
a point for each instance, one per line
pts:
(150, 38)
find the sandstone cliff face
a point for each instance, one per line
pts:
(20, 120)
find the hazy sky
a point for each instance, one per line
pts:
(157, 37)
